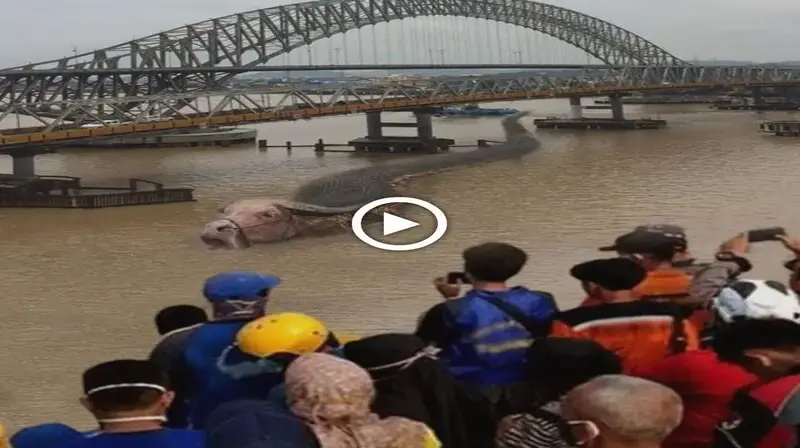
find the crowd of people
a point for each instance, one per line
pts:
(662, 352)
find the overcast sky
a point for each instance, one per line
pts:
(766, 30)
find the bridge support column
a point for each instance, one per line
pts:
(615, 103)
(424, 141)
(23, 163)
(374, 125)
(575, 108)
(424, 124)
(758, 96)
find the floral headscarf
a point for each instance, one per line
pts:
(334, 395)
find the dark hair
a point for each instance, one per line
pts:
(176, 317)
(123, 371)
(494, 262)
(732, 340)
(557, 365)
(662, 252)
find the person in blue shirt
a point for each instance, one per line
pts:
(129, 399)
(485, 333)
(253, 366)
(47, 435)
(175, 324)
(236, 298)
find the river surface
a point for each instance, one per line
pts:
(81, 287)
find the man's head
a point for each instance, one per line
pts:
(607, 279)
(126, 390)
(769, 348)
(652, 245)
(177, 317)
(239, 294)
(493, 262)
(621, 411)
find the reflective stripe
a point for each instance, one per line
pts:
(483, 332)
(614, 321)
(493, 349)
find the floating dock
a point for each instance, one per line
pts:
(774, 106)
(664, 99)
(598, 123)
(210, 136)
(781, 128)
(401, 145)
(473, 111)
(68, 192)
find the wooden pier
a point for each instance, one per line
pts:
(354, 146)
(598, 123)
(780, 128)
(68, 192)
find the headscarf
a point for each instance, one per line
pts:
(411, 382)
(334, 395)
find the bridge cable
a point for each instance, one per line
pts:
(374, 46)
(360, 47)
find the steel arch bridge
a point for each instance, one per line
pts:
(253, 38)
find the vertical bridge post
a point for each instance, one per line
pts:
(617, 113)
(23, 162)
(575, 108)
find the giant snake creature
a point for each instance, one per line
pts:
(326, 205)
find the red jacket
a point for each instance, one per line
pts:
(706, 386)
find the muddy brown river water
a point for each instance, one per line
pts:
(81, 287)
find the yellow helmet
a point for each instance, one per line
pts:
(294, 333)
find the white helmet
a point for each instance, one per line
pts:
(756, 299)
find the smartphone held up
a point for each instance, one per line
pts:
(457, 278)
(766, 234)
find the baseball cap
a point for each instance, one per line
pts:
(613, 274)
(238, 285)
(646, 238)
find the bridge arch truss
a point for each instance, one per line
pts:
(255, 37)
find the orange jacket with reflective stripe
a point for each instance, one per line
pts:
(641, 333)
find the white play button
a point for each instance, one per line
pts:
(393, 224)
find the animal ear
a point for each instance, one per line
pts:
(222, 208)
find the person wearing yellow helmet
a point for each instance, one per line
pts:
(262, 349)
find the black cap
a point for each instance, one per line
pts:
(647, 239)
(613, 274)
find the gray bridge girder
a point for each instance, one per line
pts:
(135, 108)
(253, 38)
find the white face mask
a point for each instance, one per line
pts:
(583, 431)
(142, 418)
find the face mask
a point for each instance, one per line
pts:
(582, 432)
(426, 353)
(141, 418)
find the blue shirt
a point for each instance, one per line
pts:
(160, 438)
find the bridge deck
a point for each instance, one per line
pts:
(347, 101)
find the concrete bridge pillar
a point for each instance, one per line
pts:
(23, 163)
(424, 124)
(374, 125)
(575, 108)
(617, 113)
(758, 96)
